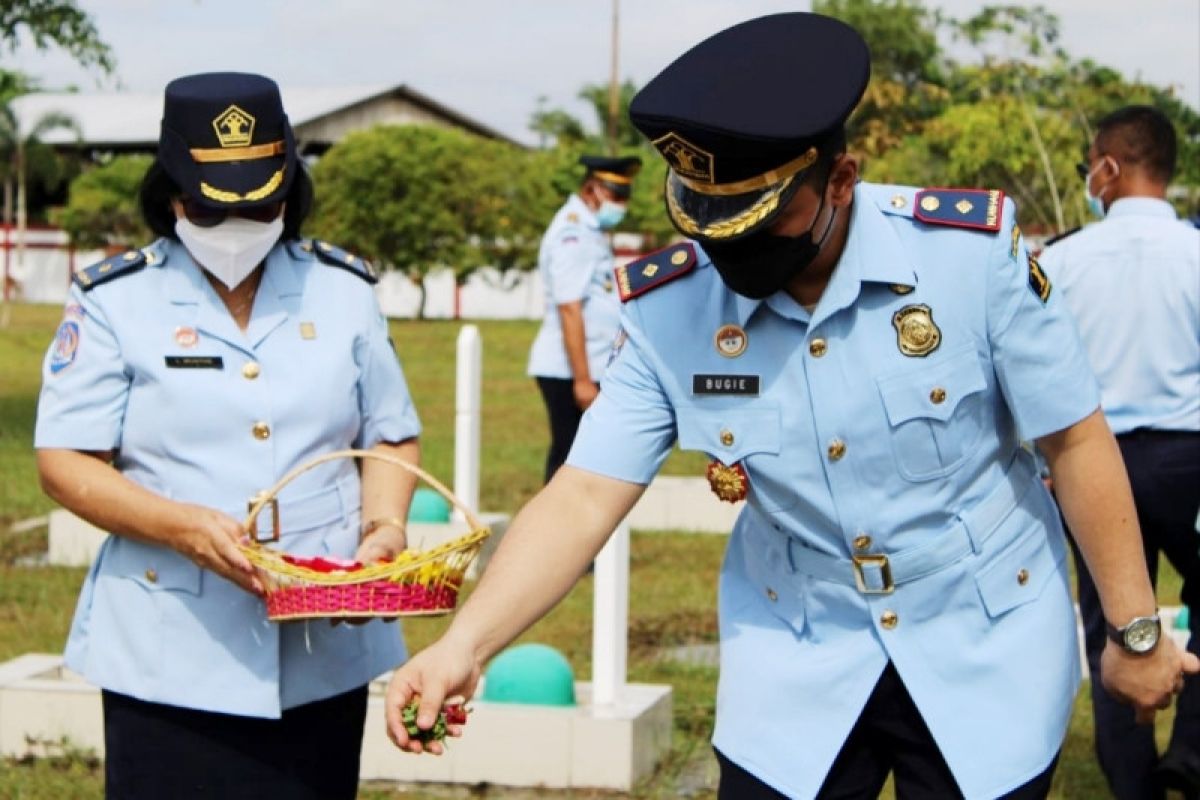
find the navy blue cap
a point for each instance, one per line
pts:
(615, 173)
(743, 114)
(225, 139)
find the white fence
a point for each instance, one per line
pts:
(43, 275)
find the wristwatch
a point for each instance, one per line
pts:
(1139, 637)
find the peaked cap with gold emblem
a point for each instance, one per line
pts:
(615, 173)
(225, 139)
(741, 116)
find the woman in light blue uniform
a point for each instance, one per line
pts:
(186, 377)
(860, 364)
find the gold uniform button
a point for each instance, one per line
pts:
(152, 575)
(251, 370)
(889, 619)
(938, 395)
(727, 438)
(818, 347)
(837, 449)
(1023, 577)
(771, 594)
(862, 542)
(261, 430)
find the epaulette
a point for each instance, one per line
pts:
(110, 268)
(980, 209)
(1059, 237)
(640, 276)
(337, 257)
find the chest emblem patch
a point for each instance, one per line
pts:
(728, 483)
(916, 333)
(731, 341)
(186, 336)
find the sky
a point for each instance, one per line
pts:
(492, 59)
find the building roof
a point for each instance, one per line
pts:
(130, 120)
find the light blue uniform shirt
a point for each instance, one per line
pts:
(575, 262)
(150, 623)
(854, 448)
(1132, 282)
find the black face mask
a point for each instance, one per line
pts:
(762, 263)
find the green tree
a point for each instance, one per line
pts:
(419, 198)
(55, 22)
(102, 208)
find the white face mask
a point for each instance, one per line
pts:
(232, 249)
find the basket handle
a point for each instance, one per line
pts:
(271, 496)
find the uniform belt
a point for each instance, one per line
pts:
(880, 573)
(301, 512)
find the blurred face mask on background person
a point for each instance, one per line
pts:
(1094, 202)
(610, 214)
(231, 249)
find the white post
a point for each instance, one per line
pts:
(610, 618)
(467, 411)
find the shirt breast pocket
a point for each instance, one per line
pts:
(935, 413)
(749, 435)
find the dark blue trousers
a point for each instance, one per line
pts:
(155, 751)
(1164, 471)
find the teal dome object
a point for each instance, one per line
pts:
(535, 674)
(1181, 619)
(428, 506)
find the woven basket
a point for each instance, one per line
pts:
(415, 583)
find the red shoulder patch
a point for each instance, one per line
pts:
(651, 271)
(980, 209)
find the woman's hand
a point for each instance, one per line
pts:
(382, 544)
(445, 669)
(210, 538)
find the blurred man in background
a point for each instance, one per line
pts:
(1132, 281)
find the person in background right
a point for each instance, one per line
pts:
(1132, 281)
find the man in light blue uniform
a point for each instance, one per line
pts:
(1132, 283)
(575, 262)
(860, 364)
(186, 377)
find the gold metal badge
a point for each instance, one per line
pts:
(308, 330)
(964, 206)
(678, 257)
(930, 203)
(901, 288)
(650, 270)
(1016, 241)
(728, 483)
(686, 158)
(731, 341)
(916, 332)
(234, 127)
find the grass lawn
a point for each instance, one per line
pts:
(672, 585)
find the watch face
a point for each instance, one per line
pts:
(1142, 635)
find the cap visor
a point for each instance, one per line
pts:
(725, 218)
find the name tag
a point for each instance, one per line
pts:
(195, 362)
(724, 384)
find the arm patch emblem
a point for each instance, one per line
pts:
(1038, 282)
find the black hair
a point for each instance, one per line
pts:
(1140, 136)
(158, 188)
(828, 149)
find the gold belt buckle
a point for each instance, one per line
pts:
(274, 504)
(885, 572)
